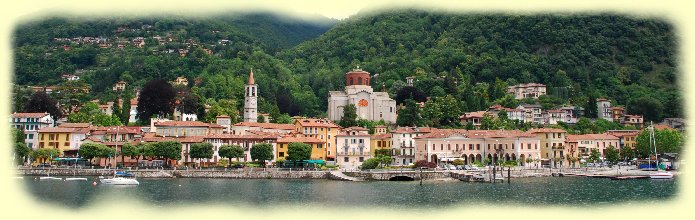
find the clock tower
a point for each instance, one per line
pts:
(250, 100)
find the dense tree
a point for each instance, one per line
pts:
(231, 151)
(20, 152)
(410, 115)
(45, 154)
(17, 136)
(90, 150)
(41, 102)
(156, 99)
(370, 163)
(667, 141)
(612, 155)
(349, 118)
(262, 152)
(649, 107)
(201, 150)
(594, 156)
(442, 111)
(410, 92)
(170, 150)
(298, 151)
(627, 153)
(125, 110)
(90, 113)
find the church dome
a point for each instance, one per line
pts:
(357, 77)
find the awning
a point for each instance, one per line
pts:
(315, 161)
(66, 159)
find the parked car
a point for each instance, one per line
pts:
(459, 167)
(239, 165)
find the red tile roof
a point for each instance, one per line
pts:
(381, 136)
(312, 122)
(299, 140)
(237, 136)
(445, 133)
(182, 124)
(75, 125)
(63, 130)
(28, 115)
(223, 116)
(266, 125)
(575, 138)
(478, 114)
(545, 130)
(407, 130)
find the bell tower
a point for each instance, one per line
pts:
(250, 100)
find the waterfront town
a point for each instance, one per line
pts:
(543, 145)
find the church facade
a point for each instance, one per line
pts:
(373, 106)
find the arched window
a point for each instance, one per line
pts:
(253, 91)
(366, 81)
(351, 82)
(359, 80)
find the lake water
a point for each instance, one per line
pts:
(532, 192)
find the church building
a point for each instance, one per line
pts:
(373, 106)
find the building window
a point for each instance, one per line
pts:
(319, 146)
(361, 159)
(346, 159)
(433, 146)
(281, 154)
(477, 147)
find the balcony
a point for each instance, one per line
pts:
(353, 154)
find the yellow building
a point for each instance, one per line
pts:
(628, 138)
(381, 141)
(552, 140)
(322, 129)
(318, 150)
(66, 139)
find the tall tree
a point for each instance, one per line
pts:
(591, 108)
(201, 150)
(410, 92)
(41, 102)
(410, 115)
(20, 152)
(231, 151)
(116, 109)
(128, 150)
(443, 111)
(612, 154)
(125, 109)
(170, 150)
(298, 151)
(349, 118)
(262, 152)
(667, 141)
(156, 98)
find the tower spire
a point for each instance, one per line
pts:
(251, 81)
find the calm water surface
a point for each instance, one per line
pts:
(533, 192)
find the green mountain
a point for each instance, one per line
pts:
(613, 56)
(472, 57)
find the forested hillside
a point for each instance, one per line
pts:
(628, 60)
(472, 57)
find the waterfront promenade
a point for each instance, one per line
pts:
(286, 173)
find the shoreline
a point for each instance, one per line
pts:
(352, 175)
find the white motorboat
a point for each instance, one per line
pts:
(49, 178)
(119, 181)
(661, 175)
(76, 179)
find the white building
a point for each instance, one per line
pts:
(530, 90)
(373, 106)
(403, 144)
(604, 109)
(353, 145)
(250, 100)
(30, 123)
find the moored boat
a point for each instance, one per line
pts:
(661, 175)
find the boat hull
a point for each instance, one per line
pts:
(661, 176)
(119, 181)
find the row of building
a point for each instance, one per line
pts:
(347, 147)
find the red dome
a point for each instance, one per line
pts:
(357, 77)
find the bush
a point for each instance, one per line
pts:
(424, 163)
(458, 162)
(370, 163)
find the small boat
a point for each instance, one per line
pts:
(49, 178)
(119, 181)
(76, 179)
(124, 174)
(661, 175)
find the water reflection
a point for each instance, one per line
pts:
(532, 192)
